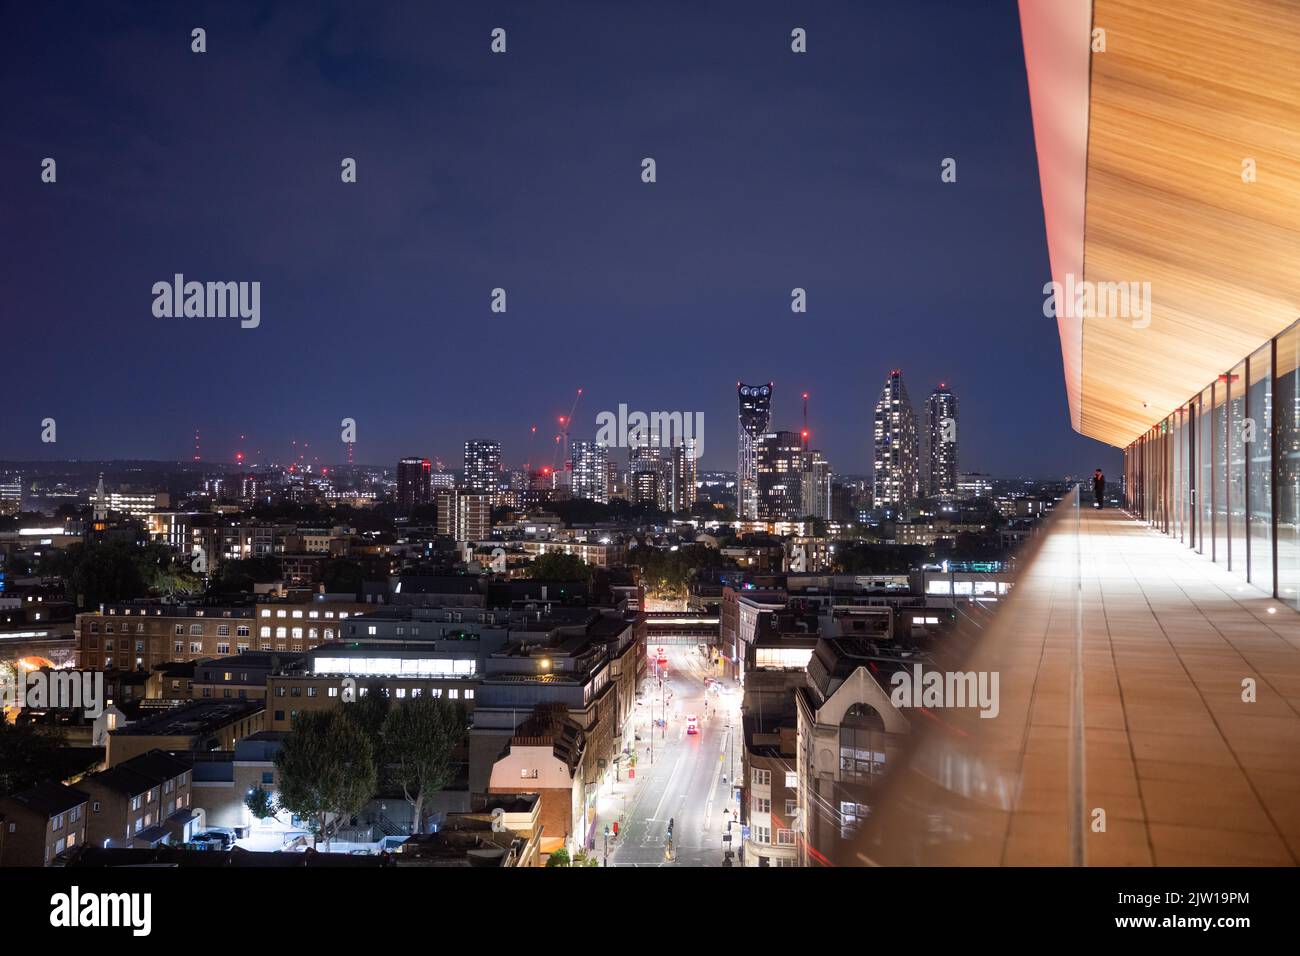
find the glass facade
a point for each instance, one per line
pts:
(1286, 458)
(1219, 472)
(1258, 442)
(1222, 473)
(1205, 462)
(1237, 430)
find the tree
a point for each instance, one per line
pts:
(164, 574)
(327, 769)
(240, 574)
(98, 573)
(260, 803)
(342, 576)
(29, 756)
(368, 712)
(555, 566)
(558, 857)
(670, 572)
(421, 737)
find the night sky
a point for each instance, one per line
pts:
(521, 171)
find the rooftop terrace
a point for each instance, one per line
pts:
(1122, 657)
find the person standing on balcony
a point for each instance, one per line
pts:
(1098, 488)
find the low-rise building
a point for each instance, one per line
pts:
(136, 638)
(144, 801)
(769, 803)
(545, 757)
(198, 725)
(500, 831)
(241, 677)
(223, 779)
(848, 735)
(40, 823)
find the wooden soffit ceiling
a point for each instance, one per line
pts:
(1187, 96)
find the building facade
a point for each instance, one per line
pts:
(412, 483)
(483, 466)
(754, 419)
(895, 454)
(817, 483)
(590, 467)
(780, 467)
(939, 478)
(464, 515)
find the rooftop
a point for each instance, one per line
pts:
(48, 799)
(140, 774)
(190, 719)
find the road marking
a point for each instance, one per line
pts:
(717, 773)
(668, 784)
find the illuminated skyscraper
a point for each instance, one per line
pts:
(682, 460)
(896, 454)
(939, 461)
(816, 486)
(590, 470)
(754, 419)
(780, 476)
(483, 466)
(649, 471)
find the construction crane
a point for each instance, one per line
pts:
(805, 422)
(562, 439)
(532, 447)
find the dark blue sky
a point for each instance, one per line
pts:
(521, 171)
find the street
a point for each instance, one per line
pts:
(688, 781)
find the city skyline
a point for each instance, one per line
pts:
(200, 446)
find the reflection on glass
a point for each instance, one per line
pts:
(1236, 474)
(1205, 484)
(1259, 461)
(1286, 404)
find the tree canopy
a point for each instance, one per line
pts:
(555, 566)
(238, 575)
(421, 737)
(29, 756)
(104, 572)
(327, 769)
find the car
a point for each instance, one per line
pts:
(692, 724)
(213, 841)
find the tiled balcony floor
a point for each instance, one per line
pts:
(1186, 772)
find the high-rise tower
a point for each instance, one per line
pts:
(681, 458)
(754, 419)
(780, 476)
(939, 464)
(896, 453)
(590, 470)
(412, 484)
(483, 466)
(816, 486)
